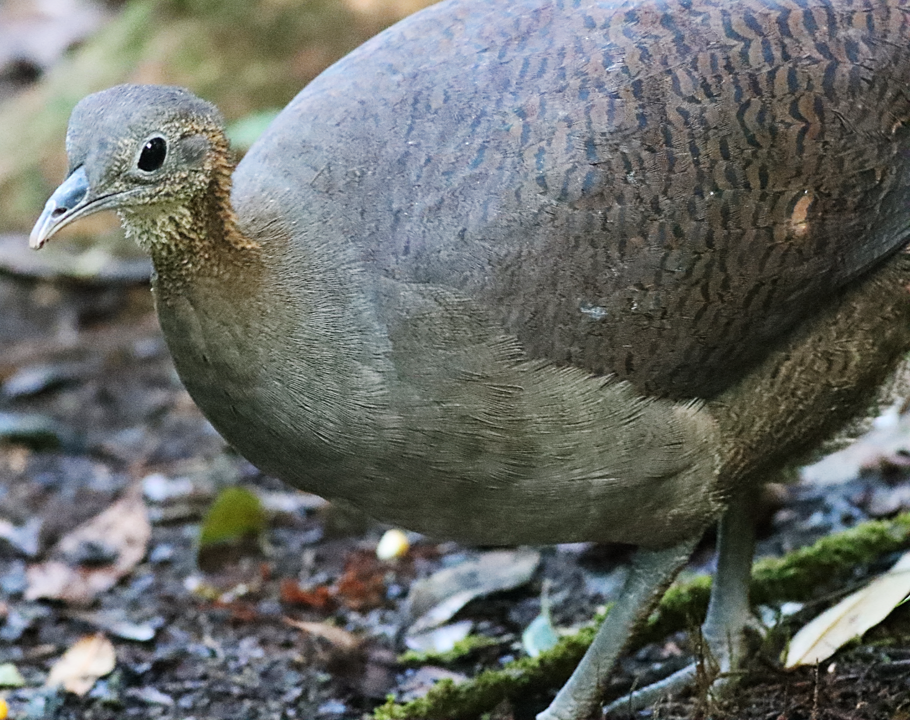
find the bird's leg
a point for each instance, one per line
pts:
(728, 609)
(651, 572)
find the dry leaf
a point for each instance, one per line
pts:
(442, 639)
(434, 600)
(851, 617)
(335, 635)
(362, 586)
(319, 597)
(359, 664)
(92, 657)
(123, 530)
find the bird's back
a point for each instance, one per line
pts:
(659, 190)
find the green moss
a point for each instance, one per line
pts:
(797, 576)
(461, 649)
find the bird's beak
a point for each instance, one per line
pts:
(69, 202)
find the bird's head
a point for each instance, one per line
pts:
(145, 151)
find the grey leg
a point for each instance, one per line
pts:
(728, 609)
(652, 571)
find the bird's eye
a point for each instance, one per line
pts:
(153, 153)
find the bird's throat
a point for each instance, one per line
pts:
(196, 239)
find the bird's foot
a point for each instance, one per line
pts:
(651, 572)
(712, 672)
(723, 647)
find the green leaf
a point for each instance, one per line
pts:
(236, 514)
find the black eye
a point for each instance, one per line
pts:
(152, 156)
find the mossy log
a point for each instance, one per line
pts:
(800, 575)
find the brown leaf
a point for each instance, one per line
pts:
(337, 637)
(319, 597)
(92, 657)
(123, 531)
(362, 586)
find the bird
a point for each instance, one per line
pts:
(531, 271)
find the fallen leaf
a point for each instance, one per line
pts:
(434, 600)
(122, 529)
(37, 432)
(118, 625)
(851, 617)
(359, 664)
(439, 640)
(10, 676)
(236, 514)
(92, 657)
(540, 635)
(151, 696)
(362, 585)
(39, 378)
(319, 597)
(335, 635)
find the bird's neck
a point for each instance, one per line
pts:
(195, 239)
